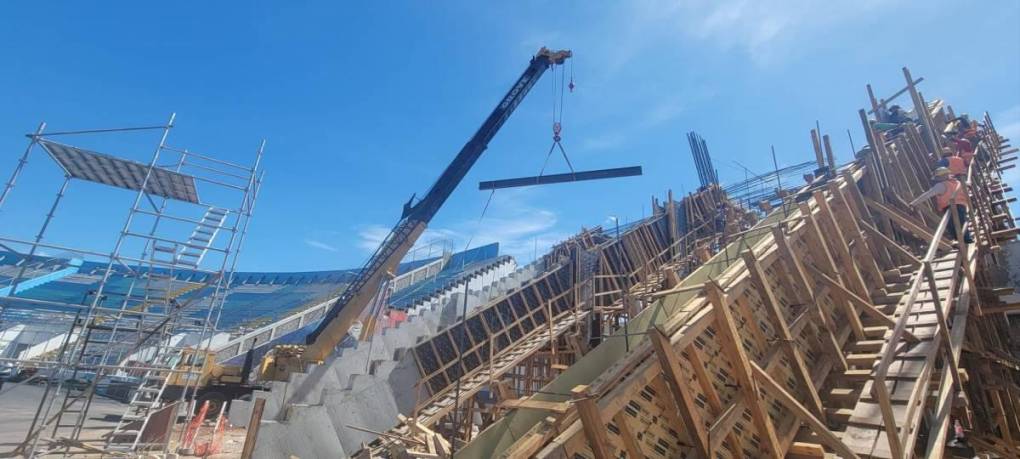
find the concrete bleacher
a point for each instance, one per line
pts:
(418, 281)
(253, 298)
(367, 384)
(34, 271)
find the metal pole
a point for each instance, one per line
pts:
(779, 182)
(115, 255)
(245, 212)
(21, 163)
(60, 356)
(127, 223)
(39, 235)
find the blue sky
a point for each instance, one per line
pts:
(363, 105)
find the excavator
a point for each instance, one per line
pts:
(352, 303)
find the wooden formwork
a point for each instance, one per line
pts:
(777, 355)
(591, 284)
(843, 324)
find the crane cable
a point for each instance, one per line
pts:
(557, 117)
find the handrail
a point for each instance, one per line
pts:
(901, 440)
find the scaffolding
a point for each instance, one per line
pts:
(128, 333)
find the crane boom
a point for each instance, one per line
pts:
(415, 217)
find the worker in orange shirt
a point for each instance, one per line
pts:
(964, 149)
(949, 196)
(956, 165)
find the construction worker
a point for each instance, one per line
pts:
(956, 165)
(949, 195)
(964, 149)
(897, 116)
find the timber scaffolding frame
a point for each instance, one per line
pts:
(593, 283)
(138, 315)
(844, 323)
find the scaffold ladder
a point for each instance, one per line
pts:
(146, 399)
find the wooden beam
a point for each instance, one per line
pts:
(778, 320)
(253, 428)
(669, 362)
(891, 245)
(904, 222)
(705, 382)
(820, 252)
(591, 421)
(799, 276)
(532, 404)
(866, 257)
(791, 403)
(731, 344)
(801, 450)
(854, 280)
(865, 305)
(863, 213)
(723, 426)
(630, 443)
(1001, 309)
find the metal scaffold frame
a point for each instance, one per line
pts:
(147, 319)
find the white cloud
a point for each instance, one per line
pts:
(511, 220)
(321, 245)
(665, 111)
(371, 236)
(764, 29)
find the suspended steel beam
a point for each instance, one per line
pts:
(561, 178)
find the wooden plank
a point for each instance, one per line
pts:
(849, 269)
(723, 426)
(778, 321)
(591, 421)
(865, 305)
(705, 382)
(532, 404)
(891, 245)
(904, 222)
(730, 344)
(842, 207)
(800, 277)
(801, 450)
(251, 436)
(630, 443)
(791, 403)
(821, 251)
(669, 361)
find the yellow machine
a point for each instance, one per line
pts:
(319, 344)
(204, 379)
(281, 362)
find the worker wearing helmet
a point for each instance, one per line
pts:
(949, 194)
(950, 160)
(964, 149)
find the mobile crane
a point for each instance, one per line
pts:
(286, 359)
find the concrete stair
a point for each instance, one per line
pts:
(368, 384)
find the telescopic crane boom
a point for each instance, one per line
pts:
(416, 216)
